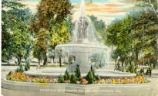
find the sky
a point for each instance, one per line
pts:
(106, 10)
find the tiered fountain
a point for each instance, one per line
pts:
(85, 48)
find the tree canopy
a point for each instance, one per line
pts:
(134, 35)
(52, 16)
(99, 26)
(15, 34)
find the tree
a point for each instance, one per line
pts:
(67, 76)
(135, 34)
(153, 4)
(146, 36)
(60, 32)
(21, 42)
(91, 76)
(149, 3)
(118, 34)
(40, 44)
(99, 26)
(50, 13)
(15, 34)
(8, 21)
(73, 79)
(78, 73)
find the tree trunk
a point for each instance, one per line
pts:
(136, 58)
(122, 66)
(60, 60)
(45, 60)
(53, 59)
(27, 57)
(19, 60)
(39, 63)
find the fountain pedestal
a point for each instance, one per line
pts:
(84, 46)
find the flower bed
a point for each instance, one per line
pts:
(19, 76)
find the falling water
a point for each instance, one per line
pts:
(85, 48)
(82, 9)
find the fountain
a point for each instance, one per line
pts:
(85, 48)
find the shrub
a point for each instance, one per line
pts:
(73, 79)
(20, 69)
(90, 77)
(8, 76)
(97, 77)
(67, 76)
(139, 74)
(78, 73)
(131, 68)
(61, 79)
(27, 66)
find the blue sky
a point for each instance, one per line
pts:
(106, 10)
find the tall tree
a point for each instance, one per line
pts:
(60, 32)
(49, 14)
(40, 44)
(135, 34)
(15, 34)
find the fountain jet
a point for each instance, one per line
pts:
(85, 48)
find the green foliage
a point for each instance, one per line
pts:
(99, 26)
(67, 76)
(40, 44)
(133, 35)
(131, 68)
(15, 35)
(78, 73)
(147, 3)
(20, 68)
(91, 76)
(20, 44)
(139, 74)
(97, 77)
(11, 4)
(27, 66)
(60, 33)
(73, 79)
(8, 76)
(52, 16)
(61, 79)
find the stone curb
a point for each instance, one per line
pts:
(86, 90)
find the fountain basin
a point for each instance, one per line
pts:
(50, 73)
(80, 46)
(82, 53)
(63, 89)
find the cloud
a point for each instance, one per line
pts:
(30, 4)
(105, 11)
